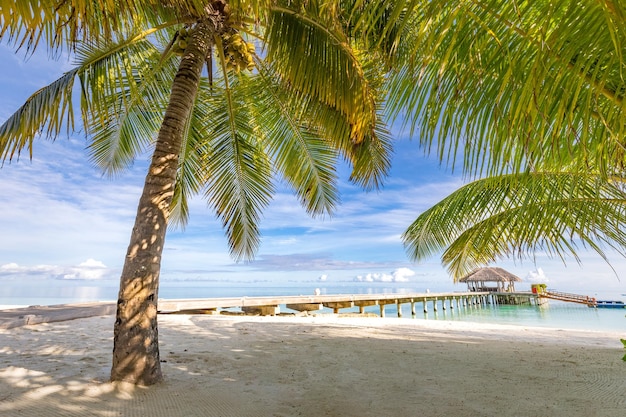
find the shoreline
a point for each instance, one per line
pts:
(558, 316)
(216, 365)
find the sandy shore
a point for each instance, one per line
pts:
(317, 366)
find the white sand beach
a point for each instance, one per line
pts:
(317, 366)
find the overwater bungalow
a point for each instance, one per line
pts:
(491, 279)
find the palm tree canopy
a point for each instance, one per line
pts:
(273, 109)
(510, 86)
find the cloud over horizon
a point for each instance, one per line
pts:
(90, 269)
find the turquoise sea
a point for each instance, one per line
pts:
(555, 314)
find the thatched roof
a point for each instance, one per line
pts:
(490, 274)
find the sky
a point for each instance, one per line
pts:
(61, 219)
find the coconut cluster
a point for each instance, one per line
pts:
(181, 41)
(238, 53)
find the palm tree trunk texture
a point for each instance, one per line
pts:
(136, 345)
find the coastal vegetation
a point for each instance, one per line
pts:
(525, 97)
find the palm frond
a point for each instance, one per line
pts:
(238, 172)
(26, 23)
(123, 85)
(48, 111)
(313, 53)
(379, 24)
(125, 90)
(518, 215)
(511, 85)
(298, 153)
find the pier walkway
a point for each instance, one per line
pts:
(568, 297)
(306, 303)
(271, 305)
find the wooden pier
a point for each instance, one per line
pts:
(517, 298)
(310, 303)
(568, 297)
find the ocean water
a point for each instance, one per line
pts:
(554, 314)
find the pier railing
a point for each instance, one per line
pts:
(568, 297)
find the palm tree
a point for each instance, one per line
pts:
(309, 98)
(531, 95)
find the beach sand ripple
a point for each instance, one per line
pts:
(316, 366)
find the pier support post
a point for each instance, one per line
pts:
(413, 308)
(435, 304)
(382, 310)
(399, 307)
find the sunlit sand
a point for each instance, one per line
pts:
(317, 366)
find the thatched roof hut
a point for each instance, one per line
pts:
(503, 279)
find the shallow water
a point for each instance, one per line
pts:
(555, 314)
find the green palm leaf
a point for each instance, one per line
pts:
(511, 84)
(48, 111)
(238, 171)
(307, 47)
(517, 215)
(115, 79)
(299, 153)
(65, 23)
(125, 91)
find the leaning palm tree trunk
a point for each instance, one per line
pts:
(136, 347)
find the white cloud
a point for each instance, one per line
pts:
(402, 274)
(399, 275)
(9, 268)
(90, 269)
(537, 276)
(13, 270)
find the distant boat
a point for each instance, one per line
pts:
(608, 304)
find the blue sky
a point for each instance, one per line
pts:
(61, 219)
